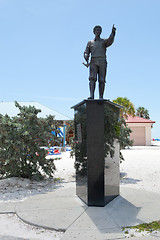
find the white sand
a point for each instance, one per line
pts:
(11, 225)
(15, 189)
(140, 170)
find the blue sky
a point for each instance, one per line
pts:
(42, 45)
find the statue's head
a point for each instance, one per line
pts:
(97, 28)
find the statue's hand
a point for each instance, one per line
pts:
(113, 29)
(86, 64)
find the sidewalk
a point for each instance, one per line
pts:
(62, 210)
(13, 238)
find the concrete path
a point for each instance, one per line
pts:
(13, 238)
(55, 210)
(62, 210)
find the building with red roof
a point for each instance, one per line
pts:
(141, 130)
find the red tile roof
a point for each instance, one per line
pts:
(137, 119)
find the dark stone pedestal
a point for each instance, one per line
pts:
(97, 176)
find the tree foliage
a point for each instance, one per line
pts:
(116, 129)
(142, 112)
(70, 130)
(124, 136)
(128, 107)
(20, 140)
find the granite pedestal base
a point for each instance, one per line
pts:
(97, 176)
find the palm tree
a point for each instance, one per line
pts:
(142, 112)
(128, 107)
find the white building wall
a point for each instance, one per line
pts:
(148, 135)
(147, 131)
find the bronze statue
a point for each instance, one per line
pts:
(98, 63)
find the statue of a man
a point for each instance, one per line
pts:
(98, 63)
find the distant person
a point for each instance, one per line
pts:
(98, 63)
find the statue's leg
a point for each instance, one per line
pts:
(92, 79)
(92, 85)
(101, 89)
(102, 78)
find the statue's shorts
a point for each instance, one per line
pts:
(98, 67)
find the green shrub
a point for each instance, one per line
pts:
(20, 140)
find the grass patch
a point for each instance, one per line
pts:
(132, 235)
(58, 179)
(149, 227)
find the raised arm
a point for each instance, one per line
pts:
(110, 40)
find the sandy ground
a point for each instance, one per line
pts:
(16, 189)
(140, 170)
